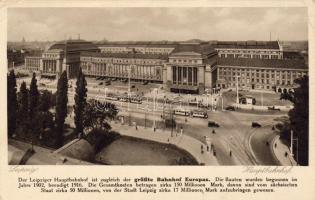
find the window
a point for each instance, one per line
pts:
(174, 75)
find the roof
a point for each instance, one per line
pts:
(19, 153)
(246, 44)
(203, 49)
(125, 55)
(75, 45)
(165, 44)
(78, 149)
(262, 63)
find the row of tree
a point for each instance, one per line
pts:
(30, 111)
(298, 121)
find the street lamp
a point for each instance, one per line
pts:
(128, 98)
(154, 107)
(237, 98)
(297, 147)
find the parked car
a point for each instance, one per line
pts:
(145, 83)
(256, 125)
(124, 80)
(107, 82)
(213, 124)
(101, 83)
(133, 86)
(273, 108)
(230, 108)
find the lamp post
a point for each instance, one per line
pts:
(297, 146)
(128, 97)
(237, 98)
(154, 107)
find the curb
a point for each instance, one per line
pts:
(272, 148)
(175, 144)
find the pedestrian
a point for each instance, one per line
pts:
(230, 153)
(213, 131)
(286, 154)
(214, 153)
(275, 145)
(136, 127)
(211, 146)
(208, 148)
(267, 143)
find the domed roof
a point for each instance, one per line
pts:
(75, 45)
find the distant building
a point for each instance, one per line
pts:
(249, 49)
(277, 75)
(189, 68)
(182, 67)
(61, 56)
(142, 67)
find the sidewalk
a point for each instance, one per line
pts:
(279, 149)
(185, 142)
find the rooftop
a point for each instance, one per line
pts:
(246, 44)
(262, 63)
(74, 45)
(203, 49)
(125, 55)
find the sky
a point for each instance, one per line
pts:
(152, 24)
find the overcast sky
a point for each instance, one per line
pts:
(157, 23)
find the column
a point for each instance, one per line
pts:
(192, 76)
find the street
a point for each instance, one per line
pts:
(235, 135)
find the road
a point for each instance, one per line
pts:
(235, 134)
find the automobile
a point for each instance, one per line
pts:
(107, 82)
(124, 81)
(101, 83)
(103, 78)
(145, 83)
(114, 79)
(256, 125)
(273, 108)
(98, 78)
(230, 108)
(133, 86)
(213, 124)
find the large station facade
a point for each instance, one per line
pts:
(183, 67)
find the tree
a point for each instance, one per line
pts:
(47, 100)
(23, 106)
(80, 101)
(12, 105)
(61, 107)
(97, 114)
(299, 119)
(34, 96)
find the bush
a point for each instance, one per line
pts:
(99, 138)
